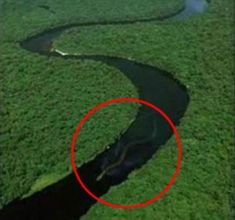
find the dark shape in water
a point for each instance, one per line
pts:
(158, 88)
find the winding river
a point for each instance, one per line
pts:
(66, 200)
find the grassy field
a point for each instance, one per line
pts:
(43, 99)
(199, 53)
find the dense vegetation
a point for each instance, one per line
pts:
(43, 99)
(199, 53)
(43, 102)
(22, 18)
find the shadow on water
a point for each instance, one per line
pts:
(66, 200)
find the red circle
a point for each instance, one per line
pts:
(174, 176)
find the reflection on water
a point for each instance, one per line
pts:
(193, 7)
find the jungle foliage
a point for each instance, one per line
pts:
(198, 52)
(43, 99)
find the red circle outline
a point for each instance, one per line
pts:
(174, 176)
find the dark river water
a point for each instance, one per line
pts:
(66, 200)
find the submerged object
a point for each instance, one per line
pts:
(125, 157)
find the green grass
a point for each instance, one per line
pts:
(43, 99)
(199, 53)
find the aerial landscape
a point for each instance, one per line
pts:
(117, 110)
